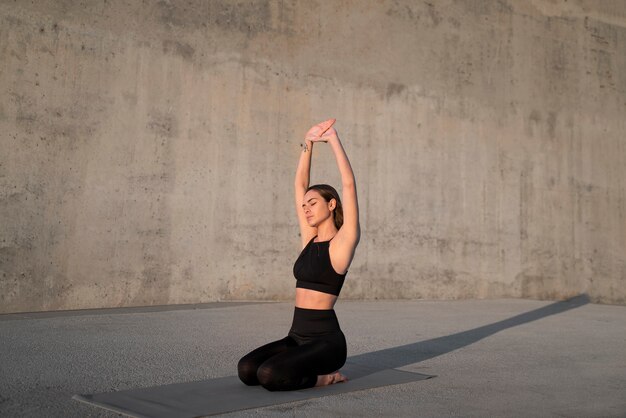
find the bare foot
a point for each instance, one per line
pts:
(329, 379)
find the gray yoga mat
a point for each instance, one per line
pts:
(228, 394)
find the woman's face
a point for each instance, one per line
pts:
(316, 209)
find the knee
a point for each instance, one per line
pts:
(247, 371)
(266, 377)
(273, 379)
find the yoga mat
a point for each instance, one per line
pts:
(228, 394)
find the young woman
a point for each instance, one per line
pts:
(315, 347)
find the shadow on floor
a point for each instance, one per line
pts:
(404, 355)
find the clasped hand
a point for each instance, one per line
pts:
(322, 132)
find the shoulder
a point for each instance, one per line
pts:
(307, 239)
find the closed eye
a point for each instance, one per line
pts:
(311, 201)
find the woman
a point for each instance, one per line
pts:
(315, 347)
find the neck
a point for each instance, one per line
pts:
(327, 230)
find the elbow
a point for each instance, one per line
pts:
(301, 180)
(301, 184)
(348, 184)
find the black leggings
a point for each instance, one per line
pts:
(314, 346)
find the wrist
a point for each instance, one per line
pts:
(334, 140)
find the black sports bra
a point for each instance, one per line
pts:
(313, 269)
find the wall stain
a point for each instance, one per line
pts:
(603, 68)
(181, 49)
(163, 124)
(425, 13)
(249, 18)
(551, 122)
(533, 122)
(394, 89)
(602, 34)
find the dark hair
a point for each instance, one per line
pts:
(329, 192)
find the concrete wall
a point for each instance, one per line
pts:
(147, 149)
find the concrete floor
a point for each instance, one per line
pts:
(496, 358)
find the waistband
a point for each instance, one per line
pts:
(314, 321)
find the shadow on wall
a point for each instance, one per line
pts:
(404, 355)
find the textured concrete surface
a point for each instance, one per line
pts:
(148, 148)
(492, 358)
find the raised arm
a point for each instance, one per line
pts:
(350, 232)
(303, 174)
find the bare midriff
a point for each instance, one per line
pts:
(312, 299)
